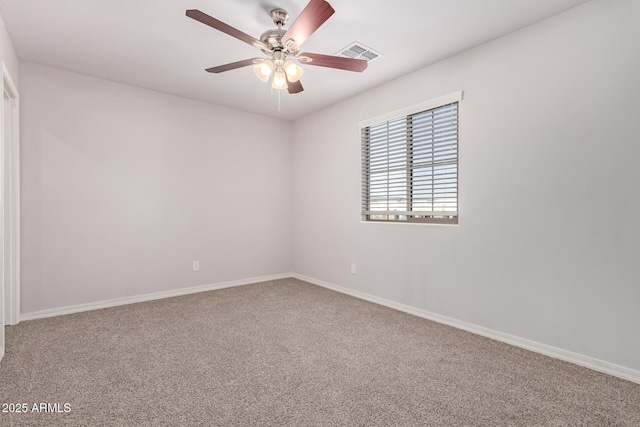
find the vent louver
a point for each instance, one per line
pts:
(357, 50)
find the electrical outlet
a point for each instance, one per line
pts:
(196, 265)
(353, 268)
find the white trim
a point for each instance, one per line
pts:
(555, 352)
(9, 223)
(423, 106)
(147, 297)
(12, 199)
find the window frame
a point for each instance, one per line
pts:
(408, 113)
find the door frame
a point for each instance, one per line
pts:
(10, 148)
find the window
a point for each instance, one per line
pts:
(410, 165)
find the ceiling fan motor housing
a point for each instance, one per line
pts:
(273, 40)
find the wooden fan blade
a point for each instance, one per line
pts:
(294, 87)
(232, 66)
(331, 61)
(311, 18)
(225, 28)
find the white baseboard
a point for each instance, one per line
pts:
(555, 352)
(146, 297)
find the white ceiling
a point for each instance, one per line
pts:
(152, 44)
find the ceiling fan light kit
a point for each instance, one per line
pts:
(294, 72)
(282, 47)
(279, 79)
(263, 69)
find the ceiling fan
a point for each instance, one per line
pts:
(282, 47)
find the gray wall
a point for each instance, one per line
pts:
(548, 243)
(122, 188)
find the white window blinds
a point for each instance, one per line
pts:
(410, 167)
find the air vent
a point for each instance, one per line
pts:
(357, 50)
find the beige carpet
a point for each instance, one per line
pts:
(289, 353)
